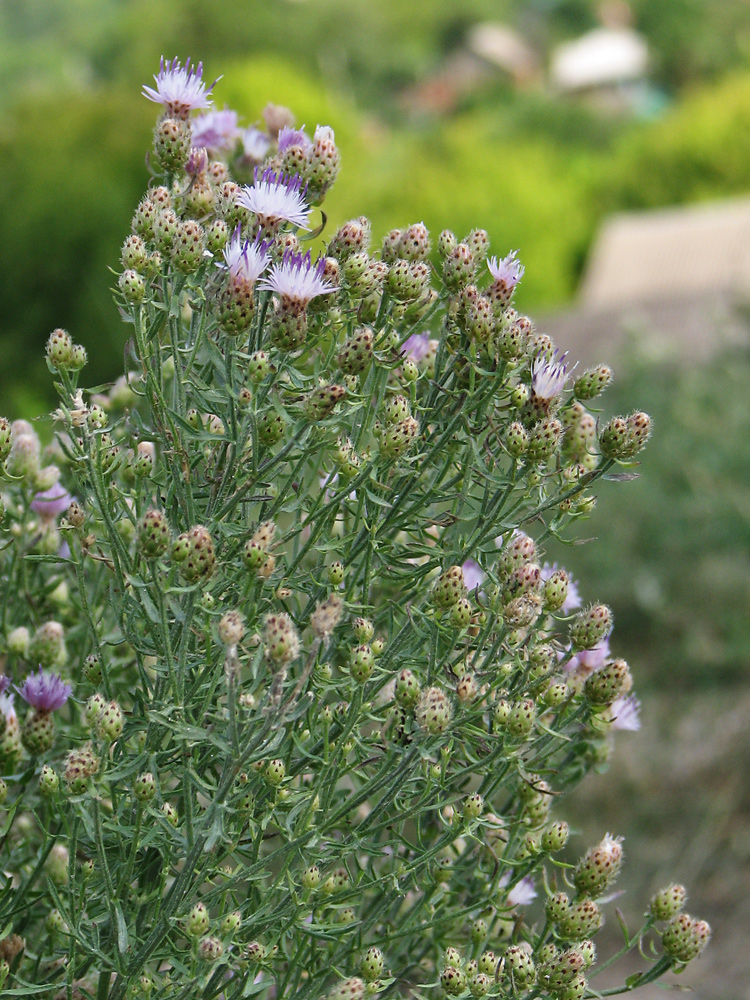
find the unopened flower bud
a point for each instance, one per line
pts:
(170, 814)
(556, 590)
(684, 938)
(18, 640)
(230, 924)
(355, 355)
(667, 903)
(210, 949)
(593, 382)
(407, 689)
(591, 626)
(608, 683)
(144, 787)
(92, 668)
(361, 663)
(473, 806)
(132, 285)
(449, 588)
(555, 837)
(434, 711)
(519, 965)
(111, 721)
(371, 966)
(453, 980)
(580, 920)
(274, 772)
(231, 628)
(520, 720)
(153, 534)
(59, 348)
(172, 143)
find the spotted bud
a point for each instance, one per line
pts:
(684, 938)
(434, 711)
(591, 626)
(667, 903)
(153, 534)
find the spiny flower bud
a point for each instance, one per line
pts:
(210, 949)
(461, 613)
(591, 626)
(311, 877)
(396, 409)
(355, 355)
(187, 246)
(59, 347)
(350, 989)
(144, 787)
(172, 142)
(280, 638)
(557, 907)
(143, 219)
(459, 267)
(473, 806)
(684, 938)
(352, 237)
(18, 640)
(599, 867)
(447, 242)
(399, 438)
(92, 668)
(556, 590)
(407, 689)
(434, 712)
(563, 969)
(134, 254)
(38, 732)
(453, 980)
(414, 243)
(54, 923)
(593, 382)
(274, 772)
(170, 814)
(363, 629)
(132, 285)
(607, 684)
(49, 781)
(111, 721)
(544, 439)
(322, 401)
(143, 460)
(336, 882)
(519, 965)
(201, 559)
(667, 903)
(516, 439)
(555, 837)
(80, 765)
(197, 922)
(580, 920)
(371, 966)
(270, 427)
(520, 720)
(153, 534)
(361, 663)
(231, 923)
(449, 588)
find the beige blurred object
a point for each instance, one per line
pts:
(675, 279)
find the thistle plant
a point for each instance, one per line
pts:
(291, 699)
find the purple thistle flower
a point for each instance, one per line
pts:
(507, 270)
(276, 197)
(416, 347)
(50, 503)
(626, 713)
(4, 683)
(548, 376)
(255, 144)
(197, 163)
(474, 575)
(297, 278)
(573, 600)
(289, 137)
(243, 259)
(180, 89)
(45, 692)
(216, 131)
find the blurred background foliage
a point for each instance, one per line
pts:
(540, 171)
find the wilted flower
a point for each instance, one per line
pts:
(180, 89)
(45, 691)
(276, 198)
(297, 278)
(216, 131)
(243, 259)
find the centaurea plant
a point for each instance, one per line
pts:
(317, 698)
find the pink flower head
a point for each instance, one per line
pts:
(197, 163)
(474, 575)
(548, 376)
(275, 198)
(573, 600)
(4, 683)
(45, 692)
(416, 347)
(180, 89)
(289, 137)
(297, 278)
(522, 893)
(245, 260)
(626, 713)
(216, 131)
(50, 503)
(255, 144)
(508, 270)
